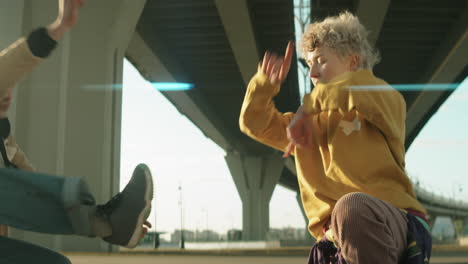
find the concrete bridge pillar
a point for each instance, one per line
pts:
(308, 236)
(66, 115)
(465, 227)
(255, 178)
(461, 226)
(463, 237)
(431, 218)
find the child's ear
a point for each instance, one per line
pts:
(354, 62)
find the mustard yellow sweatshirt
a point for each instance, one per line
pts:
(357, 145)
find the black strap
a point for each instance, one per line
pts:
(40, 43)
(7, 162)
(5, 129)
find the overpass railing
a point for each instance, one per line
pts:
(435, 200)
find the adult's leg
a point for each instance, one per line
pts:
(63, 205)
(19, 252)
(45, 203)
(369, 230)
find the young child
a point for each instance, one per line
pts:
(348, 142)
(51, 204)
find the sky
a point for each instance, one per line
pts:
(176, 151)
(439, 154)
(155, 133)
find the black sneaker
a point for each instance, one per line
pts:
(128, 210)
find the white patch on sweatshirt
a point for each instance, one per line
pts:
(349, 127)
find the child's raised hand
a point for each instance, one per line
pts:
(275, 67)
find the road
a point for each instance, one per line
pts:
(155, 259)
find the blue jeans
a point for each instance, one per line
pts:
(42, 203)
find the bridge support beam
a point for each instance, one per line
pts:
(255, 178)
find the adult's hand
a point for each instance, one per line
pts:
(67, 17)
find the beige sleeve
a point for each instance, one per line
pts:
(15, 61)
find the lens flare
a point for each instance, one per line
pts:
(410, 87)
(160, 86)
(172, 86)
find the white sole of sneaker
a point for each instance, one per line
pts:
(137, 234)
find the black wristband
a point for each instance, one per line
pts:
(40, 43)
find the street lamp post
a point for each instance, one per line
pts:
(156, 241)
(182, 238)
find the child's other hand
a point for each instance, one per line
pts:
(299, 131)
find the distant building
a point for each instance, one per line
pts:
(206, 235)
(188, 236)
(234, 235)
(287, 233)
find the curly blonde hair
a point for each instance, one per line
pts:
(345, 35)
